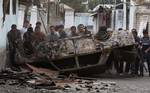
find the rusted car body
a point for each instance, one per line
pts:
(82, 55)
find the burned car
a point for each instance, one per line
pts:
(81, 54)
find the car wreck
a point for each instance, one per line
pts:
(82, 55)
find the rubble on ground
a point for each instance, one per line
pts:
(45, 82)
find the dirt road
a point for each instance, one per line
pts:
(131, 85)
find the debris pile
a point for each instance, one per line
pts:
(90, 86)
(45, 81)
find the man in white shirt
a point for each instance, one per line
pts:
(24, 29)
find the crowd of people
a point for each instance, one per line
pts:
(31, 37)
(135, 60)
(143, 48)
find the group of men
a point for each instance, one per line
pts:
(143, 48)
(26, 36)
(57, 32)
(140, 54)
(30, 37)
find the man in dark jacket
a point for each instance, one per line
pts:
(14, 37)
(28, 40)
(145, 42)
(61, 31)
(136, 66)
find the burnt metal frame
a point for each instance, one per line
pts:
(73, 39)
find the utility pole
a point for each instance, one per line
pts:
(125, 15)
(48, 15)
(114, 16)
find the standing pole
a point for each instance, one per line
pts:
(125, 15)
(113, 23)
(48, 15)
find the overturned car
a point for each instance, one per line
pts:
(83, 55)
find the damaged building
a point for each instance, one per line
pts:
(140, 15)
